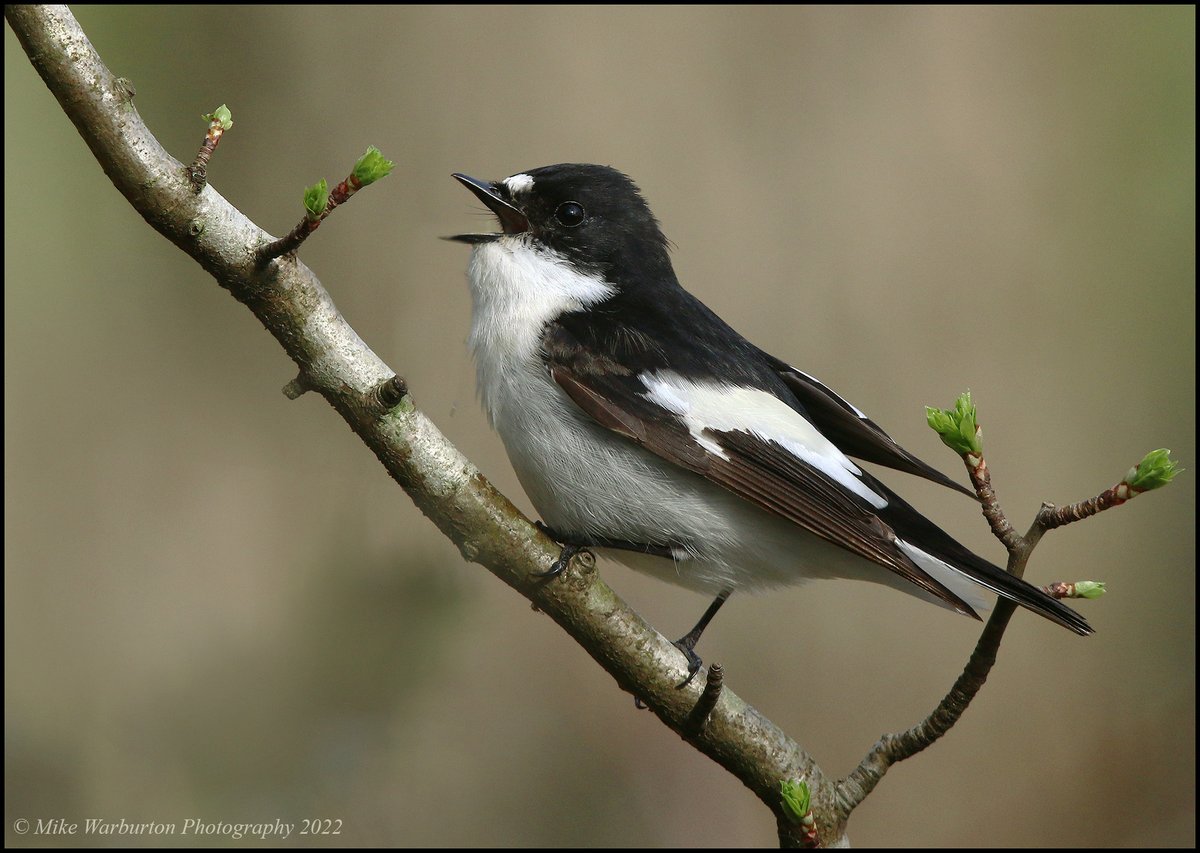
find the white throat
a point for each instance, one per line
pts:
(516, 289)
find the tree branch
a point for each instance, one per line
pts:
(290, 302)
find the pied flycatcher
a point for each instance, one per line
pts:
(641, 424)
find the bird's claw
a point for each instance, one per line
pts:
(693, 660)
(564, 557)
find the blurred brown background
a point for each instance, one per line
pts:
(218, 606)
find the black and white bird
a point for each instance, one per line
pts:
(640, 423)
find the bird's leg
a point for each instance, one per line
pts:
(572, 545)
(687, 643)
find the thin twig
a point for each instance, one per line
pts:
(371, 167)
(219, 121)
(1109, 498)
(708, 698)
(981, 479)
(893, 748)
(289, 242)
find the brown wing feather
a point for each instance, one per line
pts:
(758, 471)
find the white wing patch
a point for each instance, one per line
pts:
(519, 183)
(728, 408)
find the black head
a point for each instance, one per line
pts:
(592, 215)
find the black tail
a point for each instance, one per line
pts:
(922, 533)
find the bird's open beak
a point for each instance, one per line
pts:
(512, 220)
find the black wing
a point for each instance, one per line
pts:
(852, 431)
(770, 476)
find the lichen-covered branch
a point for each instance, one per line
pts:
(293, 306)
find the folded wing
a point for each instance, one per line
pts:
(758, 447)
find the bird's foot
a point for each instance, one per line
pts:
(569, 550)
(687, 645)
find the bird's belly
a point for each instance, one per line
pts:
(587, 481)
(584, 479)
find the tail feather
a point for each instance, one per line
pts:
(929, 541)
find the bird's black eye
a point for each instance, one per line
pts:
(569, 214)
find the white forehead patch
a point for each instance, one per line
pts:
(519, 183)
